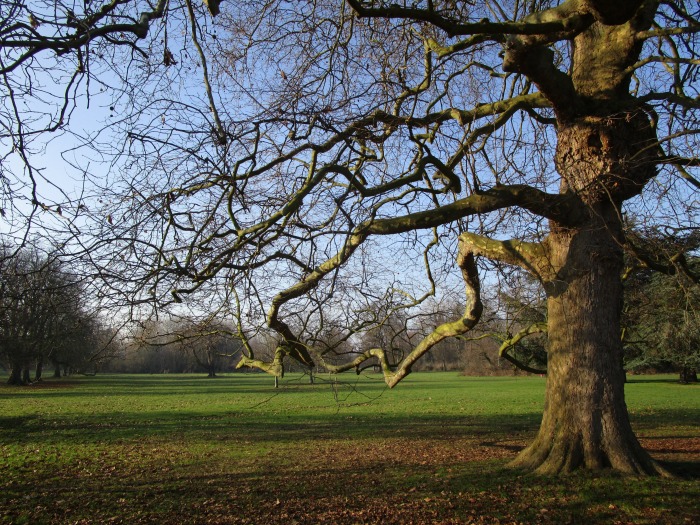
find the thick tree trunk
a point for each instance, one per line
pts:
(585, 422)
(15, 375)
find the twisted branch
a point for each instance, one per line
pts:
(466, 261)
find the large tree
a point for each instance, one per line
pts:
(301, 160)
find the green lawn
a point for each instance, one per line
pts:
(186, 449)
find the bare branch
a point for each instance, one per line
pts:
(472, 313)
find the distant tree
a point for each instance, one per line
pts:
(182, 344)
(521, 323)
(152, 349)
(23, 306)
(390, 331)
(212, 345)
(447, 354)
(88, 348)
(660, 317)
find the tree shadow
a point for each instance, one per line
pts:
(354, 488)
(689, 470)
(657, 380)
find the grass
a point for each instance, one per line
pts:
(185, 449)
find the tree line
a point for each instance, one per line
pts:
(46, 318)
(47, 321)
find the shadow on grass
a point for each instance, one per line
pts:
(353, 489)
(684, 469)
(503, 436)
(283, 425)
(282, 428)
(250, 383)
(655, 379)
(143, 386)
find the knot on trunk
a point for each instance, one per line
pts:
(609, 157)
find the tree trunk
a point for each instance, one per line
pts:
(39, 369)
(26, 376)
(585, 422)
(688, 375)
(56, 368)
(15, 375)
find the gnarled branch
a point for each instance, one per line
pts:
(527, 255)
(466, 261)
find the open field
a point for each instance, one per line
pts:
(185, 449)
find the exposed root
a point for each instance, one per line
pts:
(564, 454)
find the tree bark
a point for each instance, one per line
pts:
(586, 423)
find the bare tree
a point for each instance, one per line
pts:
(54, 57)
(302, 161)
(45, 316)
(210, 343)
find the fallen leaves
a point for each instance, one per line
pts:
(393, 481)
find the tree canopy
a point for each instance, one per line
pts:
(295, 163)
